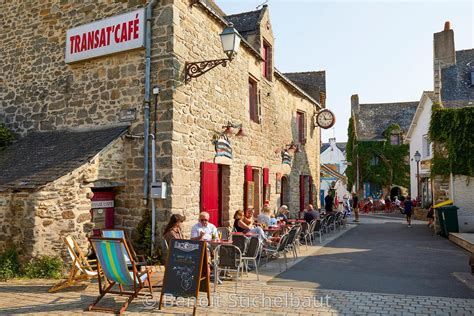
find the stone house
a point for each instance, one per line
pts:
(453, 88)
(84, 125)
(333, 161)
(371, 121)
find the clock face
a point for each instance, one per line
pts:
(325, 119)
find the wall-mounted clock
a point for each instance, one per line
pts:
(325, 119)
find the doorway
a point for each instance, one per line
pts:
(215, 192)
(258, 195)
(285, 191)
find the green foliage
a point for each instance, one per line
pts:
(143, 240)
(393, 167)
(9, 265)
(44, 267)
(6, 136)
(453, 129)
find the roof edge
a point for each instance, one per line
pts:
(296, 88)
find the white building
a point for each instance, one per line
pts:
(333, 165)
(419, 142)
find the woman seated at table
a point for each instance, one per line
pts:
(242, 225)
(173, 229)
(265, 216)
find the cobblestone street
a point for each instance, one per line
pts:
(293, 297)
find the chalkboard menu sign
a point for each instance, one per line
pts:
(187, 270)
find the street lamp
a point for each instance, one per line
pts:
(230, 40)
(417, 159)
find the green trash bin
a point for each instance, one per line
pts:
(448, 219)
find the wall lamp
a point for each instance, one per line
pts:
(229, 129)
(230, 40)
(291, 147)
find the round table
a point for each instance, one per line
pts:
(245, 234)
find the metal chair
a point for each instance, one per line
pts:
(317, 229)
(292, 240)
(227, 258)
(241, 242)
(276, 251)
(306, 231)
(253, 252)
(225, 232)
(164, 250)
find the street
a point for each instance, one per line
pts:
(385, 256)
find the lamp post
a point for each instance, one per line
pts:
(417, 159)
(230, 40)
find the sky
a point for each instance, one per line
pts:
(380, 50)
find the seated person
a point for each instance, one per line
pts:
(310, 214)
(173, 229)
(264, 217)
(203, 230)
(273, 221)
(241, 224)
(283, 213)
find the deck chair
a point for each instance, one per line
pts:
(81, 269)
(120, 233)
(112, 264)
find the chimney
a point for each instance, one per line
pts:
(355, 104)
(444, 55)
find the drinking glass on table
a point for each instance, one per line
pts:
(219, 235)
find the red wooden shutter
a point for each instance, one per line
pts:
(301, 193)
(305, 127)
(265, 60)
(311, 190)
(248, 176)
(266, 176)
(210, 191)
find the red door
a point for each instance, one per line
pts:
(302, 188)
(210, 191)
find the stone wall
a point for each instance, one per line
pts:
(207, 103)
(41, 92)
(34, 222)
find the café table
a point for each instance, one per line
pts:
(272, 229)
(245, 234)
(296, 220)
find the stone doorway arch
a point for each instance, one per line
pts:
(285, 191)
(395, 191)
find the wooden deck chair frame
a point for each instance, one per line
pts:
(81, 268)
(138, 283)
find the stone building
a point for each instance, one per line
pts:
(371, 123)
(83, 124)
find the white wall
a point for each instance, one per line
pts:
(333, 155)
(463, 195)
(416, 142)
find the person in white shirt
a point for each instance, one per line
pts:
(265, 216)
(203, 230)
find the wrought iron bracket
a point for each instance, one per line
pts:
(196, 69)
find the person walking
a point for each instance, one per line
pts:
(430, 216)
(355, 206)
(408, 204)
(328, 202)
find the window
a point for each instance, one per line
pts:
(301, 127)
(395, 139)
(375, 161)
(267, 61)
(426, 150)
(472, 78)
(253, 101)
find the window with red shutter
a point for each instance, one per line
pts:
(301, 127)
(267, 61)
(253, 106)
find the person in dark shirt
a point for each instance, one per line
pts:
(408, 208)
(355, 207)
(328, 202)
(310, 214)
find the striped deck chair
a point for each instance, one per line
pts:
(120, 233)
(112, 263)
(81, 269)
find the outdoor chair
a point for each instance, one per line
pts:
(292, 240)
(81, 269)
(120, 233)
(306, 230)
(164, 250)
(274, 252)
(317, 229)
(330, 223)
(225, 232)
(253, 252)
(112, 254)
(227, 258)
(241, 242)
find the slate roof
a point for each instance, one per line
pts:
(373, 119)
(341, 146)
(326, 169)
(312, 82)
(246, 23)
(456, 89)
(40, 158)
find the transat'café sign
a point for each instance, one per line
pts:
(104, 37)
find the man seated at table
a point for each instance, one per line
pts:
(311, 214)
(284, 213)
(203, 230)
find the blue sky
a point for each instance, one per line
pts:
(381, 50)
